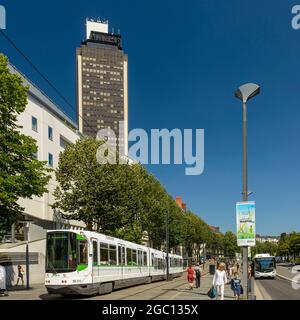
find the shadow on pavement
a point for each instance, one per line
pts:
(47, 296)
(194, 292)
(19, 288)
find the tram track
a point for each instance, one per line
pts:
(159, 286)
(147, 289)
(161, 294)
(173, 288)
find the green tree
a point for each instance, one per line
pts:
(294, 245)
(229, 244)
(21, 176)
(104, 197)
(265, 247)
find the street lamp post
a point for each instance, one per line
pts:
(26, 224)
(167, 245)
(245, 93)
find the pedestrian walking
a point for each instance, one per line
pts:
(190, 276)
(219, 280)
(198, 275)
(20, 275)
(236, 286)
(231, 271)
(228, 269)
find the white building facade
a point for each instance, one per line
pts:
(53, 131)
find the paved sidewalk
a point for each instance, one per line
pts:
(20, 293)
(178, 289)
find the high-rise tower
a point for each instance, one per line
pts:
(102, 84)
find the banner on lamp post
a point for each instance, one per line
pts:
(245, 221)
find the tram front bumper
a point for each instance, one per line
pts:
(72, 290)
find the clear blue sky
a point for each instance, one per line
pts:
(186, 58)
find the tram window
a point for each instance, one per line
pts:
(103, 254)
(112, 255)
(155, 263)
(129, 256)
(152, 259)
(95, 253)
(83, 252)
(145, 259)
(119, 256)
(140, 258)
(158, 264)
(123, 255)
(134, 257)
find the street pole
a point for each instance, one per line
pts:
(167, 244)
(13, 233)
(27, 266)
(244, 93)
(26, 225)
(27, 256)
(245, 194)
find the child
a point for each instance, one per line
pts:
(236, 286)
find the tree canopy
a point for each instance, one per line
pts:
(121, 200)
(21, 176)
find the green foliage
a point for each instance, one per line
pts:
(20, 175)
(121, 200)
(265, 247)
(289, 245)
(229, 244)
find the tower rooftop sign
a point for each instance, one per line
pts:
(96, 26)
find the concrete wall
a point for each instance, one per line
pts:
(36, 271)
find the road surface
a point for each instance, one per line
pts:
(279, 289)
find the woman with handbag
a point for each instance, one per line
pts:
(219, 280)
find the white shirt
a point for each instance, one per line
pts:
(220, 278)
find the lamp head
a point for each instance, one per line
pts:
(247, 91)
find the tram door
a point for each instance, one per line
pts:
(121, 257)
(95, 272)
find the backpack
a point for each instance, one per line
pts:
(198, 273)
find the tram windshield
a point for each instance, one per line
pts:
(65, 251)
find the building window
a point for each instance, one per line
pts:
(50, 133)
(34, 124)
(50, 160)
(35, 156)
(64, 142)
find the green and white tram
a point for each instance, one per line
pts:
(89, 263)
